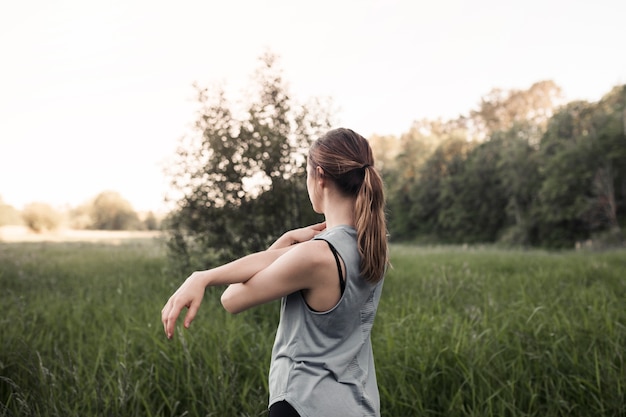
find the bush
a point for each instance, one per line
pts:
(80, 217)
(110, 211)
(150, 222)
(9, 215)
(40, 217)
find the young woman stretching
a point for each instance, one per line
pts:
(329, 277)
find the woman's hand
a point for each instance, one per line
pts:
(303, 234)
(189, 295)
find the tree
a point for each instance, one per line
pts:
(501, 110)
(9, 214)
(567, 172)
(518, 173)
(40, 217)
(240, 181)
(433, 194)
(608, 138)
(150, 222)
(473, 196)
(385, 149)
(110, 211)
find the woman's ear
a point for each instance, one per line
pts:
(320, 175)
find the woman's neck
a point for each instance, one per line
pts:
(338, 211)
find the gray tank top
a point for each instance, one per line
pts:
(322, 362)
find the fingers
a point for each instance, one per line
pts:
(164, 313)
(319, 226)
(191, 314)
(169, 315)
(314, 230)
(186, 296)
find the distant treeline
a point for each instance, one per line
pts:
(107, 211)
(523, 169)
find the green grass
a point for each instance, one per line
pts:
(459, 333)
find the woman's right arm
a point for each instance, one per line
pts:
(191, 292)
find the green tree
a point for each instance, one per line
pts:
(567, 171)
(241, 180)
(80, 217)
(433, 194)
(583, 168)
(517, 169)
(405, 172)
(501, 110)
(608, 137)
(473, 196)
(151, 222)
(491, 194)
(110, 211)
(385, 149)
(40, 217)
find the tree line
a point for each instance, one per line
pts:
(106, 211)
(523, 169)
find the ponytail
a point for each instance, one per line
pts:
(347, 158)
(371, 226)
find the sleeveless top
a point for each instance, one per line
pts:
(322, 362)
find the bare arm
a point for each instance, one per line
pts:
(298, 236)
(299, 269)
(191, 292)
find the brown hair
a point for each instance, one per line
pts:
(346, 157)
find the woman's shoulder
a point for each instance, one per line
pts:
(311, 253)
(342, 230)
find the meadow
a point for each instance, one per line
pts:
(460, 332)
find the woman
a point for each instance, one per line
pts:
(329, 277)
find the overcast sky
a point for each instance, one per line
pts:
(95, 94)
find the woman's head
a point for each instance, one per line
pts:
(345, 158)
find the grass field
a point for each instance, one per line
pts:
(480, 332)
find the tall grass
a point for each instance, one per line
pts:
(459, 333)
(497, 333)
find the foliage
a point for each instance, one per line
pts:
(473, 196)
(40, 217)
(150, 222)
(566, 176)
(502, 110)
(477, 332)
(583, 170)
(415, 177)
(110, 211)
(517, 171)
(9, 215)
(517, 167)
(241, 180)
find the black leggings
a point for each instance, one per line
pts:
(283, 409)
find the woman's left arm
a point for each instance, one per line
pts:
(300, 235)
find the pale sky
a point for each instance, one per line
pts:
(95, 94)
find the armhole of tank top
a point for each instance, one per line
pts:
(342, 281)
